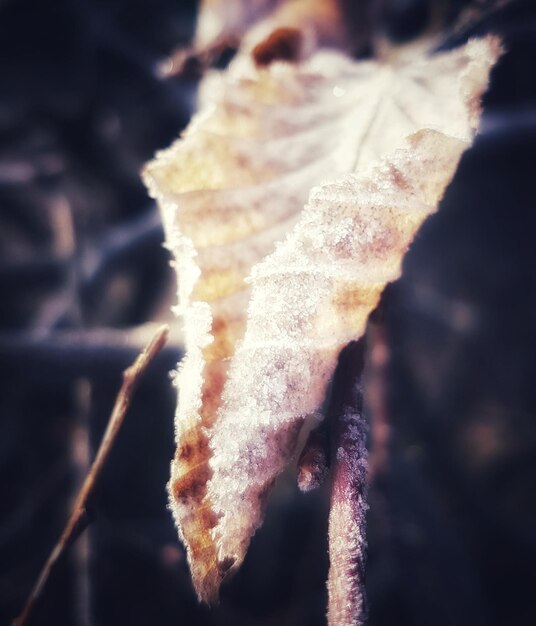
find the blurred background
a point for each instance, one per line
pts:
(84, 280)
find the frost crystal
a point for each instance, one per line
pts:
(387, 141)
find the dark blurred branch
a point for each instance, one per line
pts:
(27, 273)
(24, 515)
(120, 243)
(376, 393)
(118, 249)
(78, 519)
(69, 354)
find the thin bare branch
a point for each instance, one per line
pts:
(78, 518)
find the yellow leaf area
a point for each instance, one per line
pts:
(264, 321)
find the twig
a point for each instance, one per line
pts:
(77, 519)
(347, 539)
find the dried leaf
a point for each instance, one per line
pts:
(296, 29)
(218, 19)
(233, 186)
(288, 29)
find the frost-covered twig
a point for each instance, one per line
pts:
(347, 541)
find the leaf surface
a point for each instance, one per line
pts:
(264, 323)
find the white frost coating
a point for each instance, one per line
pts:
(302, 313)
(234, 185)
(315, 292)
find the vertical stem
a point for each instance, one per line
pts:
(376, 394)
(347, 541)
(80, 459)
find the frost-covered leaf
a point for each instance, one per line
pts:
(387, 139)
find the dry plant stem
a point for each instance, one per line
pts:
(77, 520)
(347, 542)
